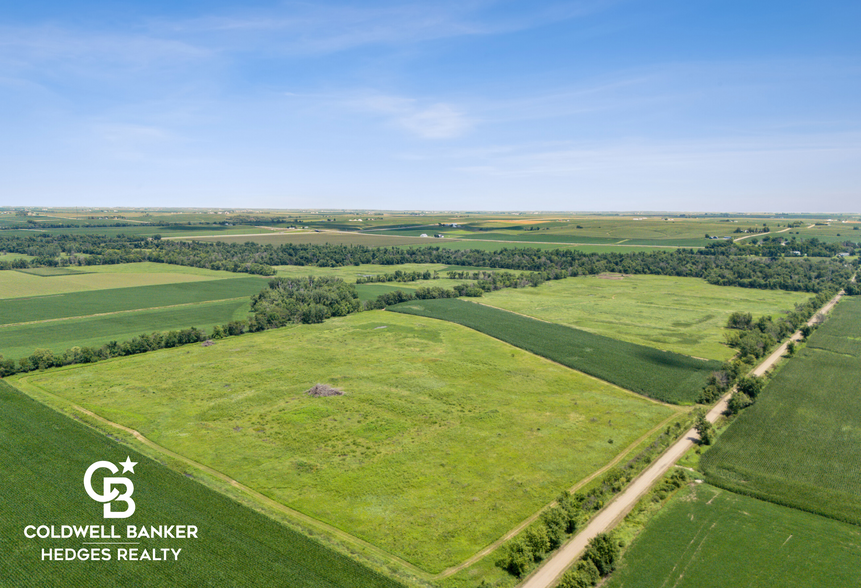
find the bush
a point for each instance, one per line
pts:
(584, 575)
(603, 551)
(516, 559)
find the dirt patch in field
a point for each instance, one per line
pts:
(613, 276)
(319, 390)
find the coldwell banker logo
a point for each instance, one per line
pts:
(101, 542)
(110, 493)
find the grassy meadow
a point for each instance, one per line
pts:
(444, 439)
(684, 315)
(800, 444)
(663, 375)
(44, 455)
(710, 538)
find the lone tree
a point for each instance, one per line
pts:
(705, 429)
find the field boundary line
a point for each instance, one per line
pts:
(84, 316)
(532, 518)
(257, 496)
(552, 568)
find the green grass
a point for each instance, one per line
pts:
(684, 315)
(79, 304)
(371, 291)
(800, 444)
(44, 456)
(19, 341)
(662, 375)
(444, 440)
(710, 538)
(14, 256)
(16, 284)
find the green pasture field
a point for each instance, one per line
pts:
(662, 375)
(444, 440)
(836, 232)
(710, 538)
(371, 291)
(684, 315)
(17, 341)
(17, 284)
(14, 256)
(80, 304)
(800, 444)
(44, 456)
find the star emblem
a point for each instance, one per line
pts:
(128, 465)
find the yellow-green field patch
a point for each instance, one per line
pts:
(684, 315)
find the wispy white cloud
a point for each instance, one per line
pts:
(437, 120)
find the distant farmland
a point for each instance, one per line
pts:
(19, 341)
(800, 444)
(662, 375)
(61, 321)
(78, 304)
(19, 284)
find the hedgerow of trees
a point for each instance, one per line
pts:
(721, 265)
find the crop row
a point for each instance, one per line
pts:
(123, 299)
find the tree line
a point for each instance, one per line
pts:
(714, 264)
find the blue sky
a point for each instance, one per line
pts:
(469, 105)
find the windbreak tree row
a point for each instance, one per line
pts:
(725, 268)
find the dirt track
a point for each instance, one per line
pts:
(546, 575)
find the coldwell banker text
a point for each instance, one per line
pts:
(97, 551)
